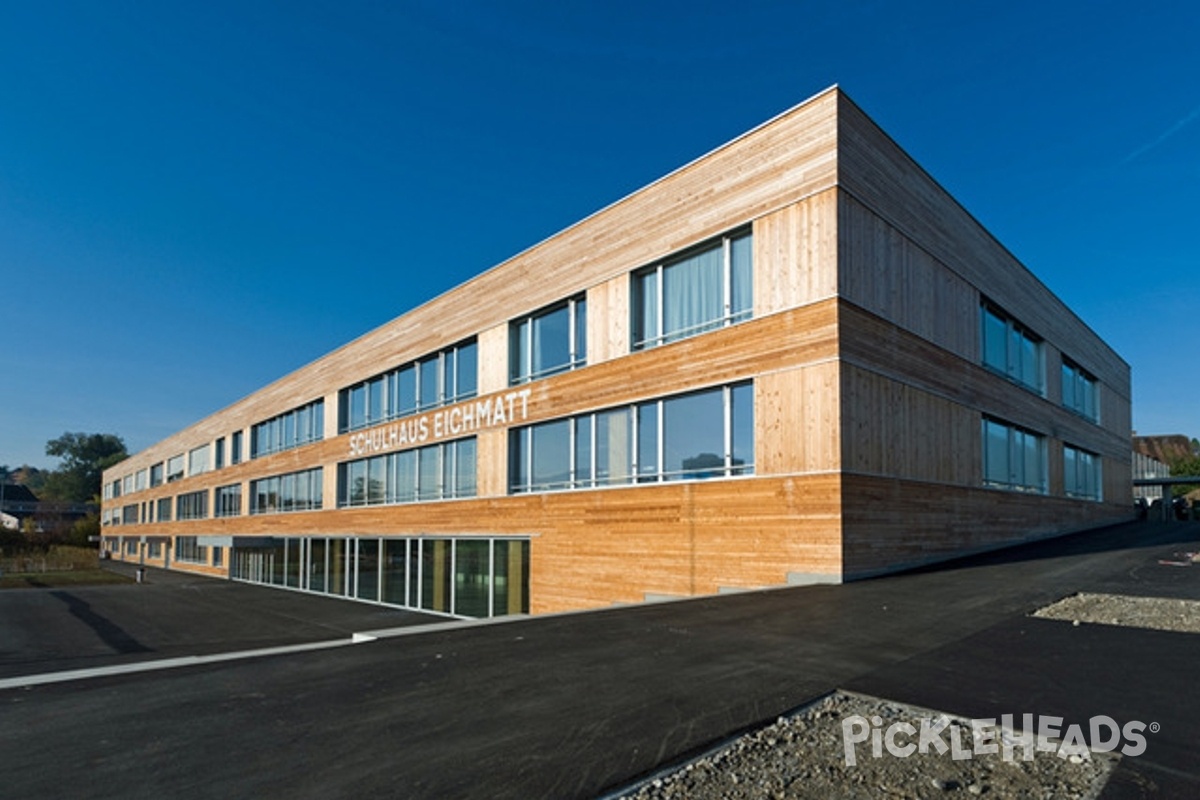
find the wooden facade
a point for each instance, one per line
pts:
(864, 356)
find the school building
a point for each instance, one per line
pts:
(796, 359)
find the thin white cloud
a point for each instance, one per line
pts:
(1162, 137)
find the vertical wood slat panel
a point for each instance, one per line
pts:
(795, 254)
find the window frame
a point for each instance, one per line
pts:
(640, 340)
(521, 341)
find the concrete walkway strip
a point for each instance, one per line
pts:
(173, 663)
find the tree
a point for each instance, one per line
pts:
(84, 456)
(1185, 467)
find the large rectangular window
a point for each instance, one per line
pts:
(227, 500)
(129, 514)
(140, 480)
(293, 429)
(446, 377)
(1011, 349)
(1013, 458)
(1080, 391)
(198, 460)
(175, 468)
(704, 434)
(164, 510)
(156, 475)
(1081, 474)
(548, 341)
(193, 505)
(700, 290)
(435, 472)
(188, 548)
(295, 491)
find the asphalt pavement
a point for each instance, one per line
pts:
(205, 688)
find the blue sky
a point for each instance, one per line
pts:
(198, 198)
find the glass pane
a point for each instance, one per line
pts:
(429, 383)
(316, 565)
(405, 476)
(376, 479)
(742, 276)
(429, 465)
(1031, 362)
(693, 294)
(518, 351)
(647, 446)
(357, 473)
(358, 406)
(551, 445)
(614, 446)
(583, 451)
(995, 449)
(435, 575)
(551, 342)
(644, 306)
(449, 375)
(471, 578)
(317, 476)
(1034, 471)
(518, 460)
(468, 370)
(510, 585)
(368, 569)
(395, 560)
(375, 400)
(406, 398)
(742, 397)
(303, 492)
(694, 435)
(1070, 479)
(1068, 387)
(995, 347)
(580, 332)
(292, 563)
(337, 566)
(464, 477)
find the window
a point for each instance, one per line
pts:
(293, 429)
(446, 377)
(235, 448)
(1013, 458)
(699, 435)
(127, 484)
(1081, 474)
(219, 454)
(140, 479)
(227, 501)
(549, 341)
(108, 491)
(198, 462)
(187, 548)
(218, 555)
(1080, 391)
(295, 491)
(1012, 350)
(156, 475)
(193, 505)
(175, 468)
(437, 472)
(129, 514)
(164, 509)
(701, 290)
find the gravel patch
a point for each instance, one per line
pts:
(1158, 613)
(804, 756)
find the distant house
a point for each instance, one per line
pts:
(17, 503)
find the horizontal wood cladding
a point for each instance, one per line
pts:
(877, 346)
(891, 524)
(886, 273)
(758, 347)
(775, 165)
(616, 545)
(795, 254)
(878, 174)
